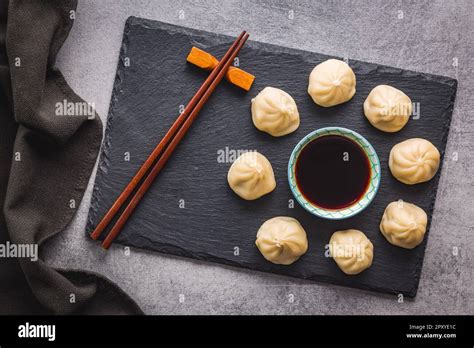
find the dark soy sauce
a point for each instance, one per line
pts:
(332, 172)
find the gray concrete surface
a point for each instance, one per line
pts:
(428, 36)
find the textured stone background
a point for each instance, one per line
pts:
(427, 36)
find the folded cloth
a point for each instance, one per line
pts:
(46, 158)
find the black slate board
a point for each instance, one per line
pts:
(153, 80)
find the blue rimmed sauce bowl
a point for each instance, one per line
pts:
(373, 183)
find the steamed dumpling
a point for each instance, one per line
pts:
(331, 83)
(387, 108)
(404, 224)
(351, 250)
(414, 161)
(274, 111)
(282, 240)
(251, 176)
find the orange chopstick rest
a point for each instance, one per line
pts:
(207, 61)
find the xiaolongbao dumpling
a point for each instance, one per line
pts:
(387, 108)
(282, 240)
(251, 176)
(274, 111)
(404, 224)
(351, 250)
(331, 83)
(414, 161)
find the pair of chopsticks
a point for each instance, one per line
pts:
(153, 165)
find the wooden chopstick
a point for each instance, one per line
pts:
(108, 217)
(187, 117)
(169, 150)
(122, 198)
